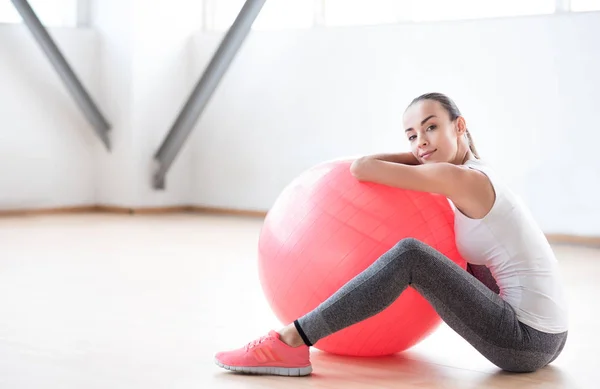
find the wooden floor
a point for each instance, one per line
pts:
(116, 301)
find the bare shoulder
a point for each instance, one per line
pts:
(475, 196)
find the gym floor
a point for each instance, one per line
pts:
(116, 301)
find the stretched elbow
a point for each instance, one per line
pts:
(357, 168)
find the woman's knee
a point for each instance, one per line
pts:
(410, 244)
(411, 253)
(403, 253)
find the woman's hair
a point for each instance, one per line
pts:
(452, 110)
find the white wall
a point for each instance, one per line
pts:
(292, 99)
(163, 79)
(135, 63)
(145, 81)
(115, 171)
(46, 145)
(527, 86)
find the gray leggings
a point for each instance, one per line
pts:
(470, 306)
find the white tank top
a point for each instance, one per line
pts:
(510, 243)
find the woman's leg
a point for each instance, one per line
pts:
(468, 306)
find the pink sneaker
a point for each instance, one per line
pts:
(267, 355)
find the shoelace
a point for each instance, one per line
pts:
(256, 342)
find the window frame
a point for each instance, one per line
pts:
(82, 16)
(320, 17)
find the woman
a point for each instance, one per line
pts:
(513, 312)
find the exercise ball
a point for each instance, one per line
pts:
(326, 227)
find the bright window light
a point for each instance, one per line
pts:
(51, 12)
(357, 12)
(275, 14)
(285, 14)
(360, 12)
(429, 10)
(222, 13)
(8, 13)
(585, 5)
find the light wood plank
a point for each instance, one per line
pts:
(118, 301)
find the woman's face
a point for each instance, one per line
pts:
(433, 137)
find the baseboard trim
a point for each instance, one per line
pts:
(552, 238)
(143, 211)
(593, 241)
(229, 211)
(48, 211)
(132, 211)
(180, 209)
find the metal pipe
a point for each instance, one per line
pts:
(197, 101)
(60, 64)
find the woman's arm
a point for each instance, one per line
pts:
(441, 178)
(470, 190)
(405, 158)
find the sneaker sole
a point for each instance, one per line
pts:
(271, 370)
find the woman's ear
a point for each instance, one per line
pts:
(461, 125)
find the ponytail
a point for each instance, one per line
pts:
(472, 145)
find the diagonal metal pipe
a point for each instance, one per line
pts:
(60, 64)
(197, 101)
